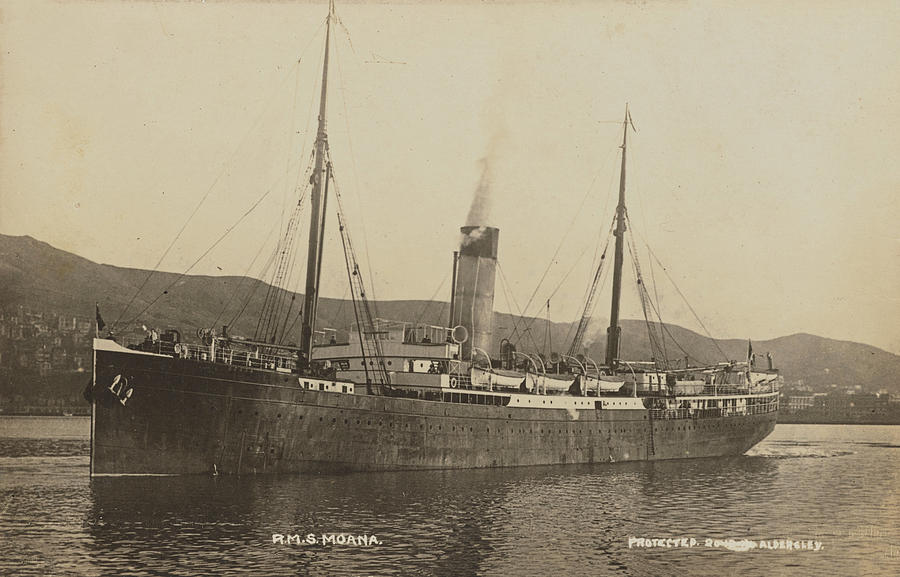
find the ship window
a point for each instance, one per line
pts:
(344, 388)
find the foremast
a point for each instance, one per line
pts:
(317, 217)
(614, 332)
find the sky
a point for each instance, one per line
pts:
(761, 172)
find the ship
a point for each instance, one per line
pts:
(397, 395)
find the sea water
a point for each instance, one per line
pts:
(809, 500)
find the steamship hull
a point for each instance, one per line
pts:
(193, 417)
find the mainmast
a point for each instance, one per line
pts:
(316, 218)
(614, 332)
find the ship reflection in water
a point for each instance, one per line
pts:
(433, 523)
(834, 485)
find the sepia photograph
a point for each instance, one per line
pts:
(449, 287)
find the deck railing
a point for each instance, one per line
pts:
(768, 406)
(235, 357)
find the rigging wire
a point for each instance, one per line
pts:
(202, 256)
(613, 152)
(658, 307)
(285, 251)
(509, 305)
(664, 328)
(686, 302)
(638, 190)
(361, 306)
(561, 282)
(340, 309)
(354, 169)
(225, 164)
(256, 285)
(519, 310)
(430, 301)
(243, 279)
(591, 292)
(209, 190)
(652, 337)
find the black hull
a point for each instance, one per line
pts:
(193, 417)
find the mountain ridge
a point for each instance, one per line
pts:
(36, 275)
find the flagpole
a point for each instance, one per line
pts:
(98, 321)
(749, 361)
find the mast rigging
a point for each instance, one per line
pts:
(316, 218)
(614, 331)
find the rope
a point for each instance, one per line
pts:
(651, 335)
(202, 256)
(237, 289)
(209, 190)
(365, 236)
(430, 301)
(521, 316)
(696, 316)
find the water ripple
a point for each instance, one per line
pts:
(799, 485)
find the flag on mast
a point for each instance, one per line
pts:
(100, 324)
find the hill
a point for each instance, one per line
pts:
(40, 277)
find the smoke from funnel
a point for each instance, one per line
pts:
(480, 209)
